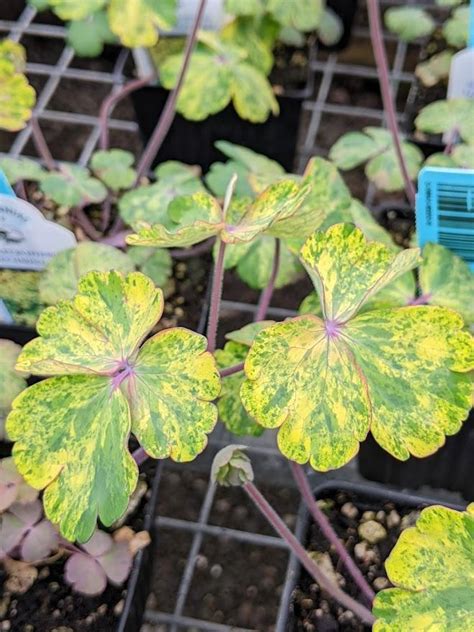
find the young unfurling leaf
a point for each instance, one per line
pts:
(231, 467)
(400, 373)
(432, 568)
(71, 431)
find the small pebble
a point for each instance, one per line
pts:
(410, 519)
(222, 505)
(251, 592)
(393, 519)
(372, 532)
(364, 553)
(54, 586)
(346, 617)
(44, 572)
(56, 613)
(216, 571)
(380, 583)
(307, 604)
(349, 510)
(102, 609)
(368, 515)
(202, 562)
(380, 516)
(6, 625)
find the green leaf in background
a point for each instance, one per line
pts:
(220, 174)
(245, 7)
(71, 186)
(17, 97)
(20, 292)
(456, 28)
(434, 69)
(452, 116)
(461, 156)
(375, 145)
(447, 280)
(88, 36)
(75, 9)
(17, 169)
(448, 3)
(247, 334)
(12, 382)
(114, 168)
(72, 431)
(244, 33)
(331, 28)
(231, 412)
(156, 263)
(218, 73)
(136, 22)
(61, 276)
(400, 373)
(149, 203)
(409, 22)
(432, 568)
(303, 15)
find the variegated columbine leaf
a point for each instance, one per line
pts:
(114, 168)
(303, 15)
(452, 116)
(219, 73)
(402, 373)
(72, 431)
(375, 145)
(17, 97)
(156, 263)
(200, 216)
(72, 185)
(251, 35)
(136, 22)
(17, 169)
(434, 69)
(432, 567)
(456, 28)
(409, 22)
(150, 203)
(231, 412)
(447, 280)
(12, 382)
(75, 9)
(59, 280)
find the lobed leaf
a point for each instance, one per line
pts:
(114, 168)
(409, 23)
(136, 22)
(156, 263)
(16, 523)
(17, 96)
(402, 373)
(71, 186)
(61, 276)
(88, 36)
(453, 115)
(18, 169)
(456, 28)
(432, 567)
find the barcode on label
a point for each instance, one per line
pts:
(445, 210)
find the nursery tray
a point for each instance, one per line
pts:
(360, 492)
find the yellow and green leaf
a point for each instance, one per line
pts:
(400, 373)
(432, 568)
(12, 382)
(17, 96)
(448, 116)
(136, 22)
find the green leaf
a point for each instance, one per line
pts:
(88, 36)
(245, 7)
(61, 277)
(432, 567)
(72, 185)
(136, 22)
(231, 412)
(376, 146)
(456, 28)
(435, 69)
(156, 263)
(245, 33)
(409, 22)
(400, 373)
(218, 73)
(17, 169)
(247, 334)
(303, 15)
(453, 115)
(75, 9)
(331, 28)
(150, 203)
(20, 292)
(447, 280)
(254, 162)
(440, 159)
(463, 156)
(114, 168)
(17, 97)
(72, 431)
(231, 467)
(220, 174)
(12, 382)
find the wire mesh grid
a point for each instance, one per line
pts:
(332, 71)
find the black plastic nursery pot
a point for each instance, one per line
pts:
(17, 333)
(449, 468)
(304, 611)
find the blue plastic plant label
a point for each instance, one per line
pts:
(445, 210)
(5, 188)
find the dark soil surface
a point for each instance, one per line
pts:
(234, 583)
(51, 606)
(312, 611)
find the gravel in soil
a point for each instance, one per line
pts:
(51, 605)
(369, 530)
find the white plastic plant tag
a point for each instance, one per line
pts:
(214, 17)
(27, 240)
(461, 75)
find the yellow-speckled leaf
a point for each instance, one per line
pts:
(70, 435)
(93, 333)
(62, 274)
(136, 22)
(17, 97)
(12, 382)
(252, 94)
(231, 412)
(447, 280)
(196, 218)
(75, 9)
(347, 270)
(401, 373)
(432, 567)
(171, 396)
